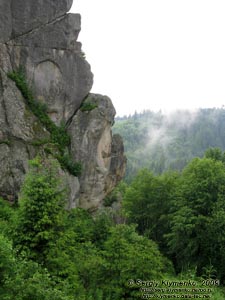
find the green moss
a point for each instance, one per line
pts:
(40, 142)
(38, 129)
(74, 168)
(88, 106)
(5, 142)
(59, 136)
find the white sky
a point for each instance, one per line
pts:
(155, 54)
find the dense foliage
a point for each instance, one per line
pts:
(163, 142)
(48, 253)
(184, 213)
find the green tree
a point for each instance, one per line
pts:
(30, 281)
(41, 232)
(41, 209)
(215, 153)
(6, 262)
(130, 256)
(76, 257)
(147, 204)
(197, 213)
(23, 279)
(7, 214)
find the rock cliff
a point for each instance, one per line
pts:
(41, 37)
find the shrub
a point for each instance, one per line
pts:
(74, 168)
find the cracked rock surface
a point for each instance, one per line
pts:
(41, 37)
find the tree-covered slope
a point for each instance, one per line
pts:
(47, 252)
(184, 213)
(161, 142)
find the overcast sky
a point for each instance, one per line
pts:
(155, 54)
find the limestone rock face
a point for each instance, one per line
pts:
(19, 128)
(41, 37)
(92, 145)
(60, 78)
(47, 36)
(5, 20)
(28, 14)
(118, 163)
(18, 17)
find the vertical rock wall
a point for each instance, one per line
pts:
(41, 37)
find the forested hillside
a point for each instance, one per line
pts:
(171, 244)
(49, 253)
(183, 212)
(161, 142)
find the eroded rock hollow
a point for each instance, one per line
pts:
(41, 37)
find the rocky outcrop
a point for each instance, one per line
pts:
(117, 163)
(19, 128)
(91, 144)
(60, 78)
(41, 37)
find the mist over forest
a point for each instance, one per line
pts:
(162, 142)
